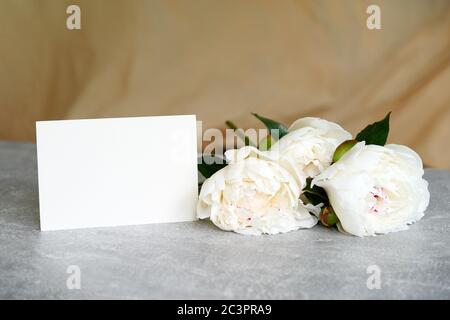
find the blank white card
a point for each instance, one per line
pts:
(112, 172)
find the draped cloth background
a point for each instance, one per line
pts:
(223, 59)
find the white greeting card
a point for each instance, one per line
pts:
(117, 171)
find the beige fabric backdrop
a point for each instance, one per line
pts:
(223, 59)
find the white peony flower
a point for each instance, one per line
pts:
(308, 148)
(375, 189)
(253, 195)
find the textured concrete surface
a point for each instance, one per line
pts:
(197, 260)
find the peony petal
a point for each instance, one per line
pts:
(353, 186)
(253, 195)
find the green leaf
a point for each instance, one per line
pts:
(239, 133)
(375, 133)
(266, 143)
(206, 169)
(273, 125)
(316, 194)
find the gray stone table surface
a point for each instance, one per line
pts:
(198, 261)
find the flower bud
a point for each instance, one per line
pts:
(343, 148)
(327, 217)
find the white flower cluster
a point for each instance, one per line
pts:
(372, 189)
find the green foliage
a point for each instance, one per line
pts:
(375, 133)
(273, 125)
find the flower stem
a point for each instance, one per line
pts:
(240, 133)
